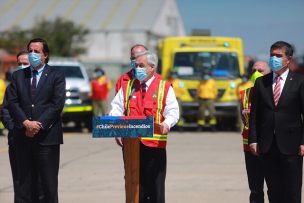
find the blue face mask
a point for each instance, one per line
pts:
(275, 63)
(22, 66)
(140, 73)
(34, 59)
(206, 77)
(133, 63)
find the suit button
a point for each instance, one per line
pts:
(33, 105)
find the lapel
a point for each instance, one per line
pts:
(27, 85)
(287, 85)
(268, 87)
(42, 79)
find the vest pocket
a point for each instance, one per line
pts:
(150, 108)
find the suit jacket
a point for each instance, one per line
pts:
(284, 121)
(5, 115)
(46, 107)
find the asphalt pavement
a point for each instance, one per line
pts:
(203, 167)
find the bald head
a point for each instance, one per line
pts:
(261, 66)
(137, 50)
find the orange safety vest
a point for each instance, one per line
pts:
(152, 105)
(100, 88)
(246, 96)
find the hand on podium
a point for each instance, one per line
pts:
(119, 141)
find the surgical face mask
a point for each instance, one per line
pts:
(255, 76)
(206, 77)
(244, 79)
(275, 63)
(34, 59)
(23, 66)
(140, 73)
(133, 63)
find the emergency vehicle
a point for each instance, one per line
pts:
(185, 58)
(78, 104)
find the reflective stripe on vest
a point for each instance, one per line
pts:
(245, 106)
(158, 116)
(160, 99)
(127, 96)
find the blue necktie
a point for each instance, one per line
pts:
(34, 83)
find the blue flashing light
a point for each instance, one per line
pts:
(226, 44)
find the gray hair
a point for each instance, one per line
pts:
(152, 58)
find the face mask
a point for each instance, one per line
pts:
(140, 73)
(22, 66)
(206, 77)
(133, 63)
(244, 79)
(34, 59)
(275, 63)
(255, 76)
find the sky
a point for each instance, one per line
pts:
(259, 23)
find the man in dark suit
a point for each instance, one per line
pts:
(276, 126)
(35, 101)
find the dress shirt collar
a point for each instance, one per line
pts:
(148, 83)
(39, 70)
(283, 75)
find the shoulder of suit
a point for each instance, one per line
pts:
(296, 75)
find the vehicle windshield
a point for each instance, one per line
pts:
(190, 65)
(71, 71)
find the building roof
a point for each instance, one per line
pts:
(96, 15)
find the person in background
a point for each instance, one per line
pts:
(101, 85)
(245, 84)
(178, 90)
(253, 163)
(22, 61)
(148, 89)
(135, 49)
(2, 90)
(276, 126)
(206, 94)
(36, 99)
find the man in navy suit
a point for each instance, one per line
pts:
(35, 101)
(276, 126)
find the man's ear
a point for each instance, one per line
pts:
(153, 66)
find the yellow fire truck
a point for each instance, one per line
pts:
(185, 58)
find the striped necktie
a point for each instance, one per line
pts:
(277, 90)
(34, 83)
(143, 90)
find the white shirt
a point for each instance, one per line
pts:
(282, 82)
(171, 110)
(38, 76)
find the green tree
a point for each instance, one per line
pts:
(14, 40)
(64, 37)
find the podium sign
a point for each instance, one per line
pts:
(123, 126)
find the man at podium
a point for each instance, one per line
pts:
(145, 157)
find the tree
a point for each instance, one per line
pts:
(14, 40)
(64, 37)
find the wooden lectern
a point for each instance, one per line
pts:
(131, 156)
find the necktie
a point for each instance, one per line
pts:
(277, 90)
(143, 90)
(34, 83)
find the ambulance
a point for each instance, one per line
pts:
(185, 58)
